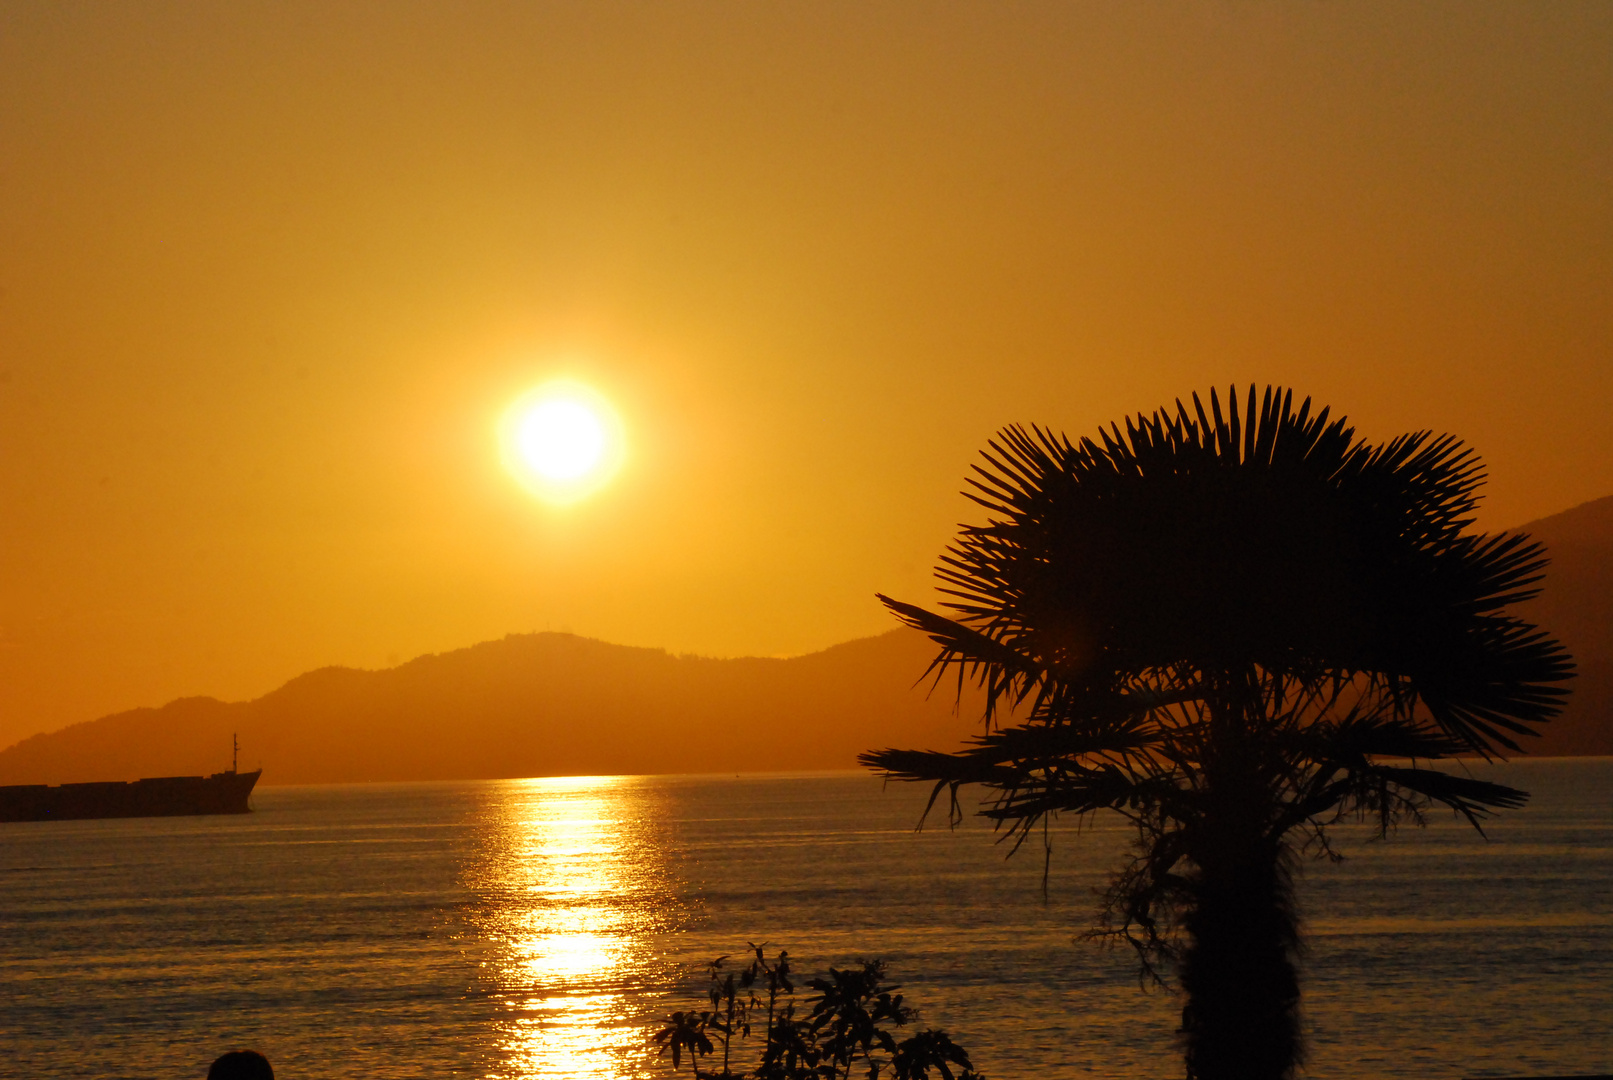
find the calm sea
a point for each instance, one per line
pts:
(539, 927)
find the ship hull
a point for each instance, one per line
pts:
(162, 796)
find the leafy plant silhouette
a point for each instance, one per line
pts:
(726, 1008)
(1234, 629)
(686, 1031)
(846, 1015)
(846, 1027)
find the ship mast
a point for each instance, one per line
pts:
(235, 753)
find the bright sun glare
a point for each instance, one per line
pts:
(562, 441)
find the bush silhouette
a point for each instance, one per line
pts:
(845, 1026)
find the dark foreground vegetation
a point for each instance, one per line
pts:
(1234, 628)
(849, 1024)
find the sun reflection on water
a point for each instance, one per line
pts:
(573, 886)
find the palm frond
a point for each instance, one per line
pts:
(1463, 793)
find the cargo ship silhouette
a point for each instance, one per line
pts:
(157, 796)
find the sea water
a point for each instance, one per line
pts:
(541, 928)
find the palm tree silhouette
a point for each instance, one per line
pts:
(1233, 630)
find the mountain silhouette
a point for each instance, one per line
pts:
(531, 705)
(1576, 606)
(557, 704)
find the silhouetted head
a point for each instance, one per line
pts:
(241, 1065)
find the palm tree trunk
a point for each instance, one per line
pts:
(1241, 1020)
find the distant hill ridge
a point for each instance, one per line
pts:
(557, 704)
(530, 705)
(1576, 606)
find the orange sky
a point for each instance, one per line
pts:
(270, 272)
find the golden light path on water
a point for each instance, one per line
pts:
(574, 888)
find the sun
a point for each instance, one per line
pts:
(562, 441)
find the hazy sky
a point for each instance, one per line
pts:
(269, 273)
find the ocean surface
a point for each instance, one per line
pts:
(539, 928)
